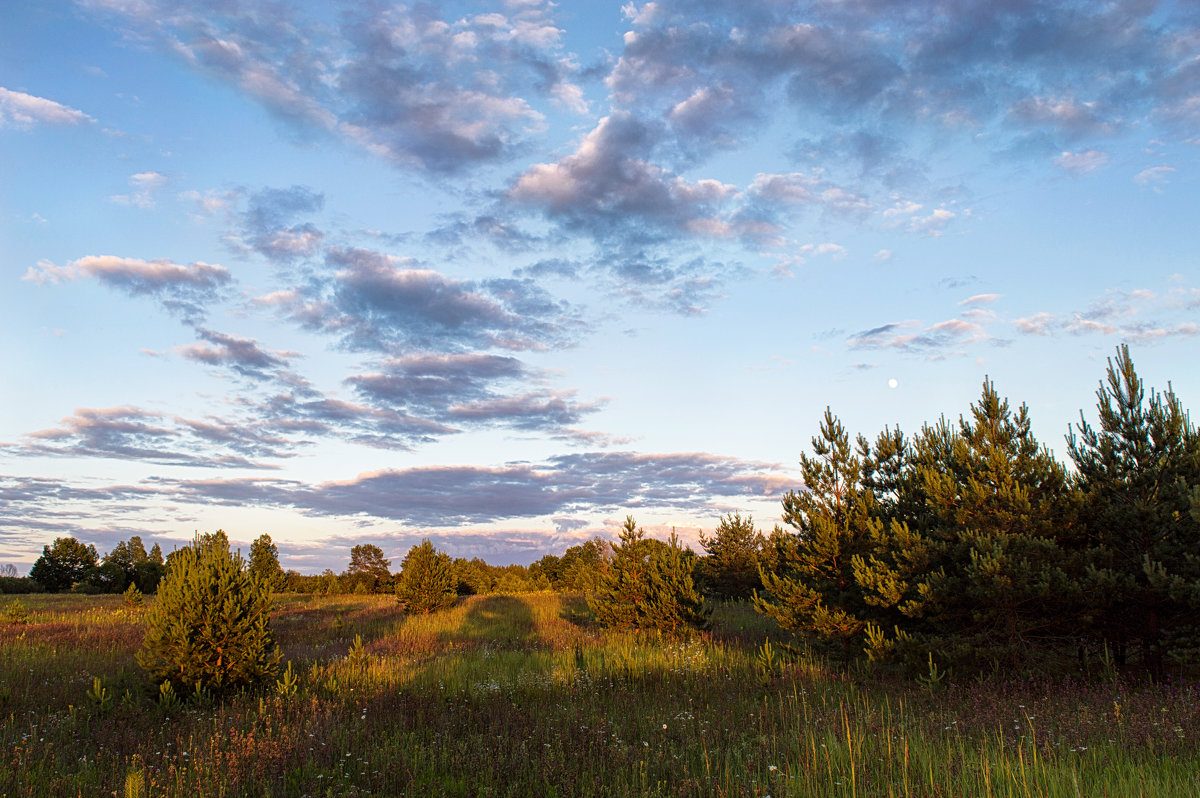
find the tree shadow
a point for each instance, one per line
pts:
(498, 621)
(576, 612)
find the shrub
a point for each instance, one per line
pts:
(133, 597)
(209, 632)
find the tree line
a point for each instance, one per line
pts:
(967, 545)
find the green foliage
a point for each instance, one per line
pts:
(962, 542)
(16, 613)
(63, 564)
(983, 573)
(210, 628)
(168, 699)
(813, 589)
(133, 597)
(1138, 470)
(264, 563)
(649, 585)
(427, 581)
(100, 695)
(731, 569)
(369, 568)
(288, 684)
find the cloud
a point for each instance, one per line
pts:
(145, 186)
(448, 496)
(437, 94)
(471, 389)
(979, 299)
(1153, 176)
(131, 433)
(1138, 315)
(18, 109)
(184, 291)
(382, 303)
(268, 225)
(243, 355)
(607, 188)
(934, 224)
(936, 340)
(1072, 118)
(1037, 324)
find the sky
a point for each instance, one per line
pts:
(500, 274)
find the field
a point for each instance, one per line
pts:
(519, 695)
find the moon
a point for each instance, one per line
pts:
(893, 382)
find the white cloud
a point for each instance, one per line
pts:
(1153, 176)
(23, 110)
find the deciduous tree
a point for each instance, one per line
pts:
(63, 564)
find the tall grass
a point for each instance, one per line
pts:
(519, 695)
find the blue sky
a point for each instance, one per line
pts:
(500, 274)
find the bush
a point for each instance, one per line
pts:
(209, 631)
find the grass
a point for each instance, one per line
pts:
(518, 695)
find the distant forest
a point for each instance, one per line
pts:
(965, 546)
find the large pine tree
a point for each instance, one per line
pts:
(1138, 468)
(812, 589)
(981, 561)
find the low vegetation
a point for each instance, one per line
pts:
(523, 695)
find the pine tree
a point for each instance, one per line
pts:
(983, 567)
(264, 562)
(427, 579)
(813, 589)
(210, 627)
(731, 568)
(1137, 470)
(648, 585)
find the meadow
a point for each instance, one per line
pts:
(521, 695)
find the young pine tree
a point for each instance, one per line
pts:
(264, 562)
(648, 585)
(730, 571)
(210, 628)
(427, 579)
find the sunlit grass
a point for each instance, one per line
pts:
(520, 695)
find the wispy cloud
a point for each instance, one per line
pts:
(183, 290)
(21, 110)
(145, 186)
(424, 91)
